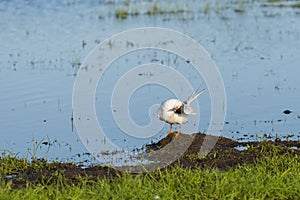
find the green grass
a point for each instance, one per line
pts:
(274, 177)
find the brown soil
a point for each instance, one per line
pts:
(223, 155)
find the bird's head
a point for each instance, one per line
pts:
(178, 109)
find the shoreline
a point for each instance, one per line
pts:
(223, 156)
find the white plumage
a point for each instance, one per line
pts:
(174, 111)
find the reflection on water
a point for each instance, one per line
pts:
(255, 45)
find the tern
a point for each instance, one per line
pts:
(174, 111)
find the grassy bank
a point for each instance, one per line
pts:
(271, 177)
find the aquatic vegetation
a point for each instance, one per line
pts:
(240, 8)
(153, 9)
(281, 4)
(296, 5)
(207, 8)
(121, 13)
(75, 63)
(83, 44)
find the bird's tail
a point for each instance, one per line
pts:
(194, 96)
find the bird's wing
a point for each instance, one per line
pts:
(194, 96)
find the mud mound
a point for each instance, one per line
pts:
(207, 151)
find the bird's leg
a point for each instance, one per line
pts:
(169, 133)
(179, 130)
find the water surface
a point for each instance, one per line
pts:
(254, 44)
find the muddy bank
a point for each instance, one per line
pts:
(225, 154)
(210, 152)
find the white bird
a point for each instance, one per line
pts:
(174, 111)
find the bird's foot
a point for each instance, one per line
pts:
(176, 134)
(151, 151)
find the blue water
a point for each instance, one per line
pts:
(43, 44)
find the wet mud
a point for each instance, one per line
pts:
(225, 154)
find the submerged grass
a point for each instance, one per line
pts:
(273, 177)
(282, 4)
(121, 13)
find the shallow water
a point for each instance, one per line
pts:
(255, 47)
